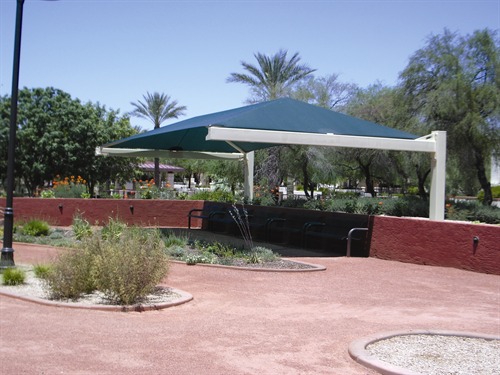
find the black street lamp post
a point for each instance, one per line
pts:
(7, 255)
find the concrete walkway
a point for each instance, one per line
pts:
(243, 322)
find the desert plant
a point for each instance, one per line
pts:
(243, 224)
(175, 251)
(128, 267)
(200, 258)
(220, 249)
(72, 273)
(48, 193)
(42, 271)
(173, 240)
(265, 254)
(13, 276)
(253, 257)
(36, 228)
(113, 229)
(81, 227)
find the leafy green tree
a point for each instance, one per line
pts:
(103, 169)
(453, 83)
(384, 105)
(327, 92)
(58, 135)
(309, 163)
(157, 108)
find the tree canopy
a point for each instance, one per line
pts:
(453, 84)
(58, 135)
(273, 77)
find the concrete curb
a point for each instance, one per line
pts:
(357, 349)
(184, 297)
(317, 267)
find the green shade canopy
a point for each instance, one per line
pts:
(286, 115)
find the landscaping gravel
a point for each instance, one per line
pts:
(36, 288)
(440, 354)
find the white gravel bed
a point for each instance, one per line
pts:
(439, 354)
(36, 288)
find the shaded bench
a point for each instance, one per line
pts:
(338, 230)
(293, 227)
(204, 214)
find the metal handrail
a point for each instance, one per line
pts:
(349, 239)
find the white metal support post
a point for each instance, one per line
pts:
(248, 170)
(438, 177)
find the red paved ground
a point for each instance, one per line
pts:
(244, 322)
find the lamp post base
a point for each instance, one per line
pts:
(7, 258)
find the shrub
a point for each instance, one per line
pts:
(265, 254)
(81, 227)
(495, 191)
(72, 274)
(42, 271)
(13, 276)
(113, 230)
(36, 228)
(175, 251)
(125, 268)
(214, 196)
(200, 258)
(171, 240)
(221, 250)
(253, 257)
(472, 211)
(129, 267)
(69, 187)
(405, 206)
(47, 194)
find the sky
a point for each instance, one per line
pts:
(115, 51)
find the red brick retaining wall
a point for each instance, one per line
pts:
(419, 241)
(145, 212)
(437, 243)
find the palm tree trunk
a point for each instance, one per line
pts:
(483, 179)
(157, 173)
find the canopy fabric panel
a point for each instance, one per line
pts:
(277, 115)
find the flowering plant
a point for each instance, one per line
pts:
(70, 187)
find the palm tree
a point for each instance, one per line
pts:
(157, 108)
(273, 78)
(274, 75)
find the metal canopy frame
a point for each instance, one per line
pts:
(236, 133)
(434, 143)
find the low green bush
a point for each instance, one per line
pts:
(472, 211)
(265, 254)
(42, 271)
(36, 228)
(113, 229)
(495, 191)
(72, 274)
(405, 206)
(214, 196)
(13, 276)
(129, 267)
(172, 240)
(125, 268)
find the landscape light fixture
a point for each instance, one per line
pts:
(7, 253)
